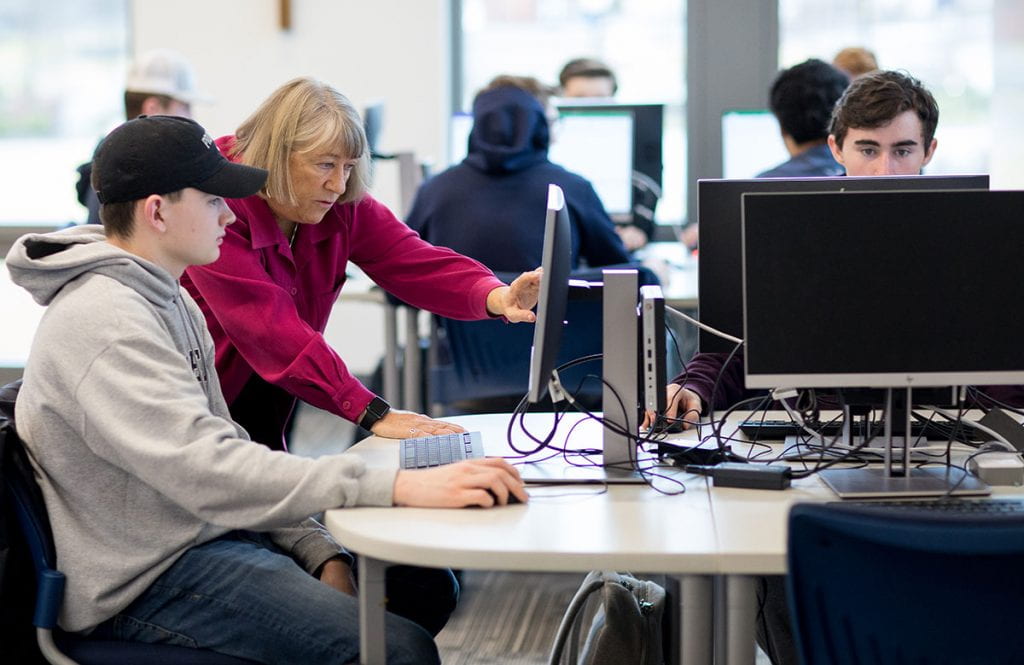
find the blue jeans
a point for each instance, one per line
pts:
(240, 595)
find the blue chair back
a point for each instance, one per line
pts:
(478, 362)
(23, 496)
(484, 366)
(870, 586)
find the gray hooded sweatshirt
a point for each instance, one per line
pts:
(130, 437)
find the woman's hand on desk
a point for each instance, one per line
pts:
(477, 482)
(408, 425)
(681, 405)
(516, 301)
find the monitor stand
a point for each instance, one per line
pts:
(897, 479)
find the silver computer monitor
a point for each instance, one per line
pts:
(598, 145)
(556, 262)
(751, 143)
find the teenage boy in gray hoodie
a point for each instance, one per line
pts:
(170, 524)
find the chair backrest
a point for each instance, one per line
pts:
(871, 586)
(21, 492)
(484, 361)
(484, 366)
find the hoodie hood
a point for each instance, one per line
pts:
(43, 263)
(510, 131)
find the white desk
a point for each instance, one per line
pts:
(563, 529)
(730, 534)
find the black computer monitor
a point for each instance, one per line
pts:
(644, 170)
(894, 290)
(720, 292)
(883, 290)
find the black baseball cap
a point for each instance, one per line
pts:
(159, 154)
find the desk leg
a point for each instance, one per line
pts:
(372, 647)
(413, 371)
(390, 378)
(740, 619)
(695, 611)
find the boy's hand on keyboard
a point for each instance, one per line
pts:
(478, 482)
(407, 425)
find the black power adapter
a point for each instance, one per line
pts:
(749, 476)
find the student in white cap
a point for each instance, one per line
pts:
(159, 82)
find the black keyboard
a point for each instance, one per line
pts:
(946, 506)
(428, 451)
(777, 430)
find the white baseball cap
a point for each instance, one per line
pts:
(164, 72)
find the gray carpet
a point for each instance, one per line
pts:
(506, 618)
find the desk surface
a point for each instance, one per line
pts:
(563, 528)
(704, 530)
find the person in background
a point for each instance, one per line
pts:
(160, 82)
(490, 206)
(855, 61)
(267, 299)
(169, 523)
(587, 77)
(802, 98)
(884, 124)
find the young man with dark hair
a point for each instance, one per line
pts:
(884, 125)
(802, 98)
(170, 524)
(587, 77)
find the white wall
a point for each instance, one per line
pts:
(390, 50)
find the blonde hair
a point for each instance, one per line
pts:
(302, 116)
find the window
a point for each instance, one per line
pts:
(641, 40)
(61, 90)
(962, 50)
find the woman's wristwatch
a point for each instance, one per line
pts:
(374, 411)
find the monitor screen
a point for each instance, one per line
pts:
(605, 143)
(893, 289)
(373, 124)
(554, 294)
(720, 292)
(742, 132)
(458, 136)
(598, 145)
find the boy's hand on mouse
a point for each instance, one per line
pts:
(479, 482)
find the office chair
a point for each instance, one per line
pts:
(870, 585)
(24, 498)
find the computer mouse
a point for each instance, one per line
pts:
(512, 498)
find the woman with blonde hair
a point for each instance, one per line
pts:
(267, 299)
(282, 263)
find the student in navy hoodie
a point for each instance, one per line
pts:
(491, 205)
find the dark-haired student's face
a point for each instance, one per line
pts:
(894, 149)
